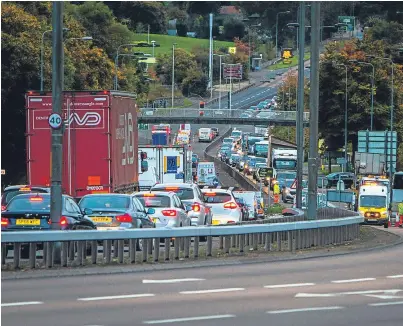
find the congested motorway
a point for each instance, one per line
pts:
(358, 289)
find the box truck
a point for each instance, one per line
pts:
(160, 137)
(166, 164)
(100, 141)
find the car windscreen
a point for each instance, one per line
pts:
(217, 198)
(260, 160)
(228, 141)
(29, 203)
(182, 193)
(105, 202)
(285, 164)
(373, 201)
(10, 194)
(154, 201)
(261, 147)
(236, 134)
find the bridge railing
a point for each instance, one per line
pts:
(215, 113)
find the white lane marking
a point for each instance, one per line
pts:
(384, 297)
(116, 297)
(395, 276)
(380, 304)
(176, 280)
(288, 285)
(15, 304)
(212, 291)
(355, 280)
(304, 310)
(337, 294)
(178, 320)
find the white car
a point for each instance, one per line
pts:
(223, 206)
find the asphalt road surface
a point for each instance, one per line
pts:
(359, 289)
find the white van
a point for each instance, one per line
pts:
(205, 134)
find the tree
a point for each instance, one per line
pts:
(194, 83)
(233, 28)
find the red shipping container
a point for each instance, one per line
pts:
(100, 141)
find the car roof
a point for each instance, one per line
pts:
(108, 195)
(14, 187)
(41, 194)
(159, 193)
(172, 184)
(220, 191)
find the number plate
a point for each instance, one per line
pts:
(372, 220)
(27, 222)
(216, 222)
(155, 219)
(101, 219)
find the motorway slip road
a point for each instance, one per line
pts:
(359, 289)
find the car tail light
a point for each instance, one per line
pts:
(4, 221)
(231, 205)
(37, 198)
(212, 194)
(3, 207)
(126, 218)
(172, 188)
(63, 220)
(169, 212)
(149, 195)
(196, 207)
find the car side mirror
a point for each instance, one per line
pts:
(151, 211)
(88, 211)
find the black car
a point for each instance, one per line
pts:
(12, 191)
(31, 212)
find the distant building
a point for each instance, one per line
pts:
(230, 11)
(172, 28)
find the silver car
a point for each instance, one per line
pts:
(168, 210)
(191, 196)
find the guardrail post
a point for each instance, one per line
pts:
(44, 253)
(237, 237)
(132, 250)
(221, 242)
(182, 243)
(278, 241)
(49, 254)
(246, 236)
(145, 250)
(107, 250)
(233, 241)
(94, 251)
(267, 244)
(209, 245)
(4, 253)
(293, 241)
(32, 255)
(71, 249)
(187, 243)
(255, 240)
(156, 249)
(16, 258)
(167, 248)
(241, 242)
(121, 247)
(176, 246)
(289, 240)
(80, 250)
(227, 244)
(115, 248)
(150, 246)
(196, 247)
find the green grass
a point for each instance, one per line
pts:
(294, 62)
(165, 41)
(275, 209)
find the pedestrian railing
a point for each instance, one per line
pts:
(78, 248)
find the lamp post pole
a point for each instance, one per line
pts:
(116, 63)
(345, 114)
(279, 13)
(173, 74)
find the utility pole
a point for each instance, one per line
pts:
(210, 58)
(313, 160)
(300, 105)
(57, 107)
(173, 74)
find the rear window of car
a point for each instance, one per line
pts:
(154, 201)
(182, 193)
(10, 194)
(105, 202)
(217, 198)
(29, 203)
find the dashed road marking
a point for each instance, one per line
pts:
(287, 311)
(26, 303)
(355, 280)
(178, 320)
(288, 285)
(395, 276)
(117, 297)
(177, 280)
(380, 304)
(212, 291)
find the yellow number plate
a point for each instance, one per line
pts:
(216, 222)
(28, 222)
(155, 220)
(101, 219)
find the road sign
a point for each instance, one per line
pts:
(341, 160)
(233, 71)
(287, 53)
(349, 20)
(55, 121)
(143, 126)
(232, 50)
(265, 172)
(294, 184)
(3, 172)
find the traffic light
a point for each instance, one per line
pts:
(143, 162)
(201, 105)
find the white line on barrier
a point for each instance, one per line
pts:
(355, 280)
(177, 320)
(212, 291)
(304, 310)
(395, 276)
(288, 285)
(173, 280)
(116, 297)
(380, 304)
(15, 304)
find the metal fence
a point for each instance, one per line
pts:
(74, 247)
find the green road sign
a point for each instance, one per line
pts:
(143, 126)
(265, 172)
(349, 20)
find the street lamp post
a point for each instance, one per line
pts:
(345, 114)
(116, 63)
(307, 5)
(279, 13)
(219, 97)
(153, 43)
(372, 87)
(249, 46)
(173, 73)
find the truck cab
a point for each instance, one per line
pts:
(373, 204)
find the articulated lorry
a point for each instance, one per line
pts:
(100, 141)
